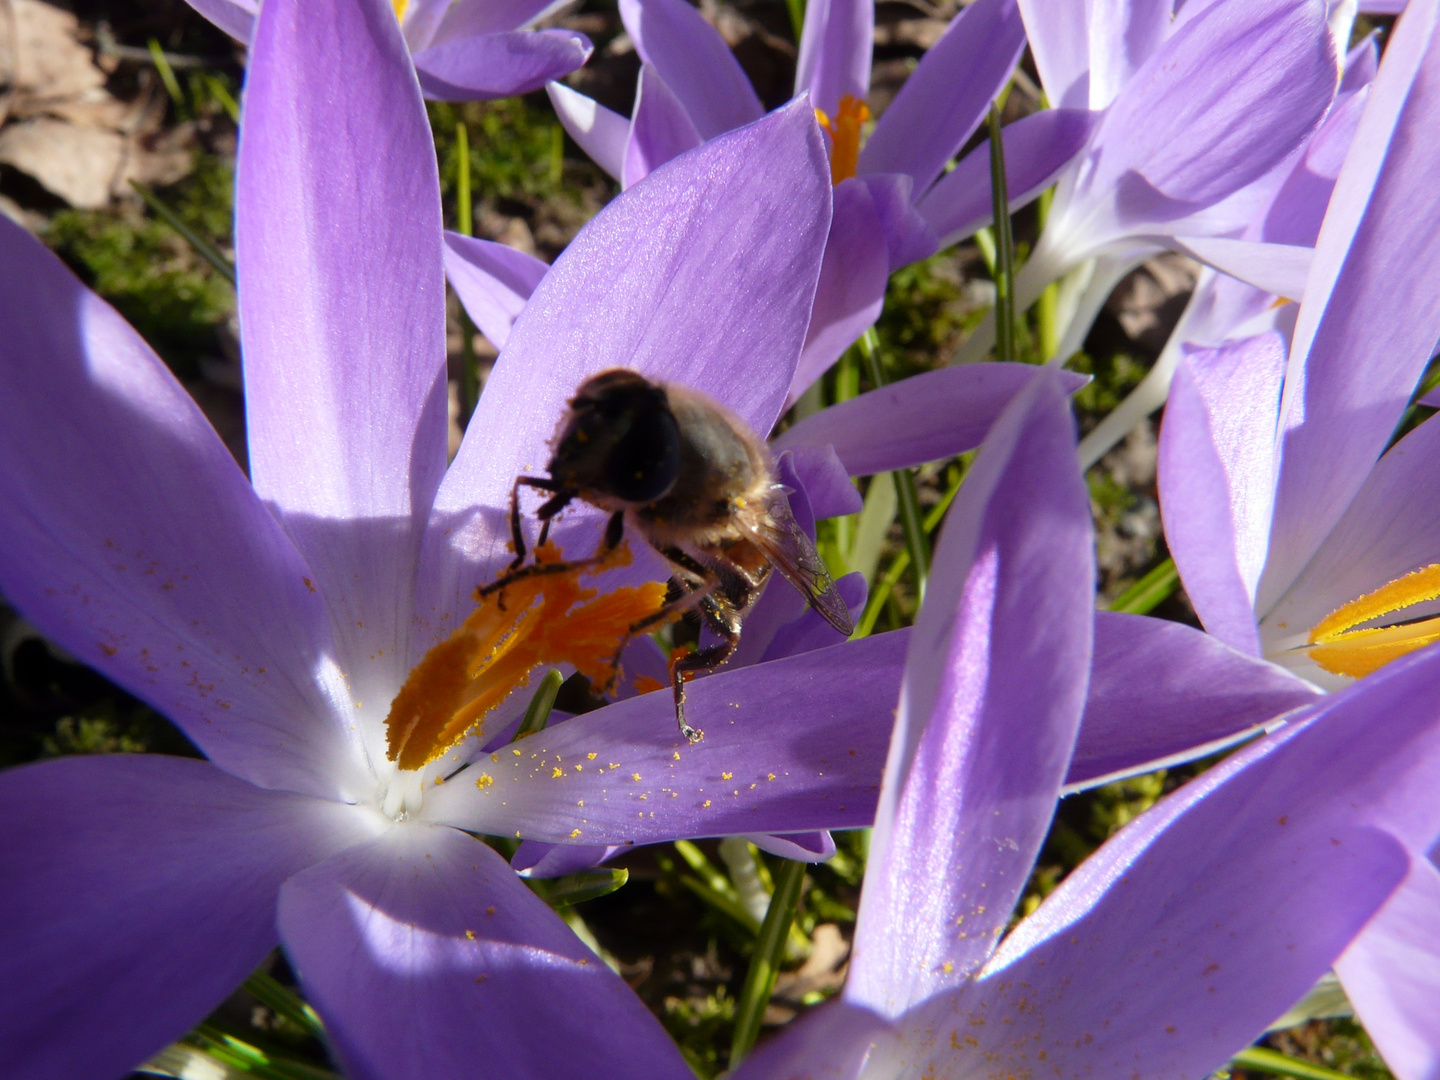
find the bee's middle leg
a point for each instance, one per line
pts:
(725, 621)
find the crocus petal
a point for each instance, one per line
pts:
(851, 290)
(804, 847)
(1217, 479)
(1123, 34)
(420, 18)
(835, 47)
(695, 63)
(988, 712)
(138, 892)
(557, 860)
(235, 17)
(1386, 532)
(790, 746)
(927, 417)
(947, 95)
(908, 236)
(600, 132)
(1037, 147)
(131, 538)
(1161, 692)
(1299, 207)
(1371, 310)
(828, 1042)
(489, 66)
(342, 312)
(1060, 42)
(1280, 269)
(745, 219)
(1227, 98)
(467, 18)
(660, 129)
(1391, 974)
(425, 955)
(494, 282)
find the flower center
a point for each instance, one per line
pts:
(545, 618)
(844, 136)
(1341, 649)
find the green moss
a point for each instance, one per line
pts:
(516, 149)
(1114, 378)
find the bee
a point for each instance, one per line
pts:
(680, 470)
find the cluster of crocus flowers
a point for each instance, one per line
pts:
(320, 632)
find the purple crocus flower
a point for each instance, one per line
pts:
(1146, 961)
(1198, 114)
(893, 197)
(464, 50)
(274, 623)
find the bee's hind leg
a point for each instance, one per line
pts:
(725, 621)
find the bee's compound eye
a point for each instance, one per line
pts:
(645, 463)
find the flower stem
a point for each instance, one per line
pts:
(1271, 1061)
(1150, 591)
(537, 713)
(1004, 246)
(765, 961)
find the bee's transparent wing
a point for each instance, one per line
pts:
(776, 532)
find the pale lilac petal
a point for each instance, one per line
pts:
(1361, 65)
(695, 63)
(660, 129)
(1386, 532)
(745, 218)
(493, 282)
(835, 47)
(811, 630)
(1371, 310)
(908, 236)
(1280, 269)
(422, 17)
(988, 713)
(803, 847)
(948, 94)
(851, 290)
(1217, 479)
(235, 17)
(425, 956)
(467, 18)
(828, 1042)
(927, 417)
(557, 860)
(1299, 207)
(790, 746)
(1059, 40)
(1123, 34)
(489, 66)
(131, 538)
(342, 312)
(598, 131)
(827, 483)
(1391, 974)
(1382, 7)
(138, 892)
(1162, 692)
(1037, 147)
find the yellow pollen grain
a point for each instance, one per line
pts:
(727, 776)
(947, 967)
(574, 833)
(1341, 650)
(400, 6)
(590, 756)
(484, 781)
(771, 776)
(705, 803)
(677, 755)
(556, 773)
(546, 619)
(470, 934)
(634, 776)
(845, 138)
(579, 767)
(515, 752)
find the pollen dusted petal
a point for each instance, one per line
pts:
(547, 618)
(1341, 650)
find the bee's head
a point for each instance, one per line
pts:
(619, 439)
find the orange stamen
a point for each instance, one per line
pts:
(844, 136)
(1342, 650)
(543, 619)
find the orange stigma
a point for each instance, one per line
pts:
(541, 619)
(844, 136)
(1342, 650)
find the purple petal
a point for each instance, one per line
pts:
(947, 95)
(660, 130)
(130, 537)
(835, 47)
(695, 63)
(826, 1043)
(1217, 477)
(988, 713)
(908, 236)
(467, 18)
(422, 17)
(1361, 65)
(1230, 94)
(342, 312)
(235, 17)
(1037, 147)
(598, 131)
(723, 289)
(1161, 692)
(1123, 34)
(1371, 311)
(1386, 532)
(489, 66)
(1391, 974)
(811, 630)
(1279, 269)
(851, 290)
(790, 746)
(425, 955)
(557, 860)
(803, 847)
(1059, 40)
(494, 282)
(926, 417)
(1299, 207)
(138, 892)
(827, 483)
